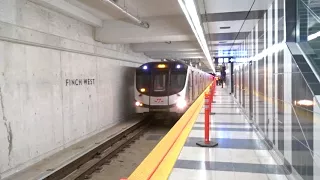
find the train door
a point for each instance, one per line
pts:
(197, 84)
(201, 86)
(193, 85)
(203, 82)
(190, 86)
(159, 87)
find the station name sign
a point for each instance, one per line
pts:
(79, 82)
(232, 53)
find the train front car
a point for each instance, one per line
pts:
(161, 87)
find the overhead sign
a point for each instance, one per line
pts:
(235, 53)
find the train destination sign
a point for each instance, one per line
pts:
(79, 82)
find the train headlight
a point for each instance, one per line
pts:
(138, 104)
(143, 90)
(181, 103)
(161, 66)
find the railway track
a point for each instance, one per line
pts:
(92, 161)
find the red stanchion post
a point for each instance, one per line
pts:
(209, 93)
(207, 112)
(211, 97)
(213, 92)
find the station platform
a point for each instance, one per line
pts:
(240, 154)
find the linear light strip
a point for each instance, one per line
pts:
(189, 9)
(194, 16)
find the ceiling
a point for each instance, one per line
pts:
(225, 24)
(141, 8)
(228, 22)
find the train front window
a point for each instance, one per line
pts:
(159, 82)
(143, 81)
(177, 81)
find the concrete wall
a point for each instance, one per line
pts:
(40, 113)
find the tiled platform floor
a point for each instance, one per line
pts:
(241, 154)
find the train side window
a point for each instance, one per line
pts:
(159, 82)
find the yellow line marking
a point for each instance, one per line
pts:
(166, 166)
(150, 165)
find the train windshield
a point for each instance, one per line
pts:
(143, 81)
(177, 82)
(159, 82)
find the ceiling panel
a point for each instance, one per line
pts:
(223, 42)
(232, 16)
(226, 36)
(235, 46)
(215, 27)
(219, 6)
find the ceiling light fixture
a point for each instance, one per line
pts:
(189, 9)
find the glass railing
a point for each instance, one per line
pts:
(280, 94)
(312, 5)
(308, 28)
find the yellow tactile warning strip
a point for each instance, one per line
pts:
(167, 164)
(159, 163)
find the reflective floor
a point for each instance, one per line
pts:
(241, 154)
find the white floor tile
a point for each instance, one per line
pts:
(277, 177)
(224, 155)
(225, 175)
(250, 176)
(225, 119)
(197, 154)
(224, 110)
(263, 153)
(246, 126)
(191, 174)
(244, 156)
(225, 134)
(267, 160)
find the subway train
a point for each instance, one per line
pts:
(168, 87)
